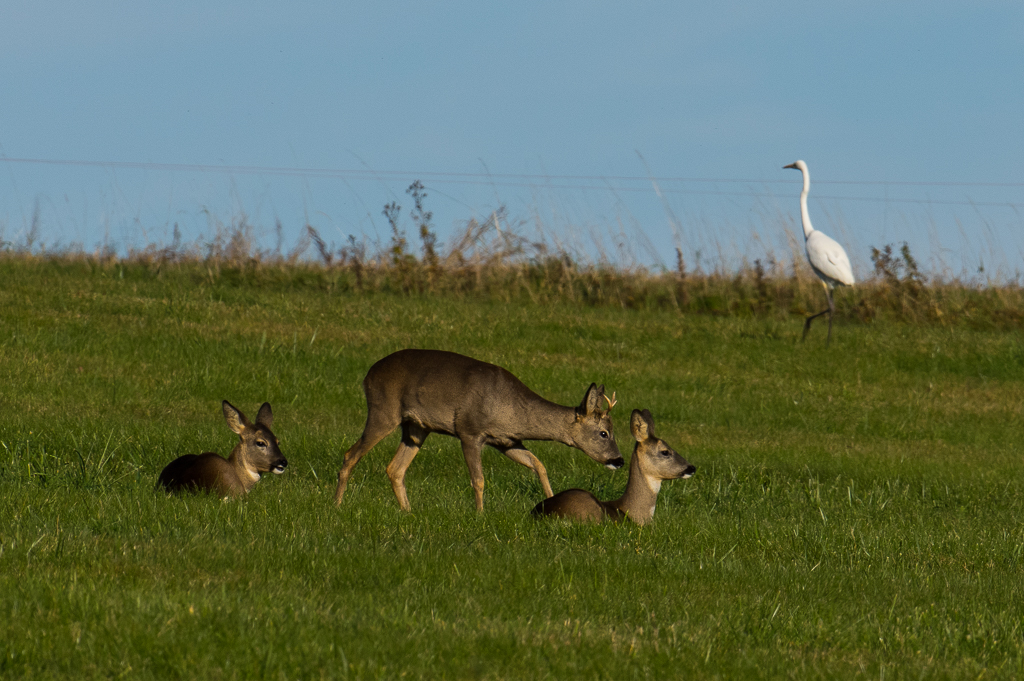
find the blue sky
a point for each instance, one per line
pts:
(908, 92)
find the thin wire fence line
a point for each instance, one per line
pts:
(504, 180)
(566, 212)
(482, 178)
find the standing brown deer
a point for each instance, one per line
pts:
(653, 461)
(256, 453)
(432, 391)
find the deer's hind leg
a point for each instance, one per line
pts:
(413, 436)
(378, 425)
(525, 457)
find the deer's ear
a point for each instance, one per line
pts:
(591, 400)
(641, 424)
(265, 417)
(236, 419)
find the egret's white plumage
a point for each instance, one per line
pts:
(826, 256)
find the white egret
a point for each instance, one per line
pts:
(827, 258)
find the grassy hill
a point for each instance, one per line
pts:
(856, 512)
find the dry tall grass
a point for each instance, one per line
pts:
(492, 260)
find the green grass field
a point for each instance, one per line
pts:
(856, 513)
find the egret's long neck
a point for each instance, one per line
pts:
(805, 217)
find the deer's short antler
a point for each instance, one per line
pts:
(612, 402)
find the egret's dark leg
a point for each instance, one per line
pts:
(807, 323)
(831, 311)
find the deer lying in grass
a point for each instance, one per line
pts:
(653, 461)
(255, 454)
(432, 391)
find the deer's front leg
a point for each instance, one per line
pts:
(471, 450)
(525, 457)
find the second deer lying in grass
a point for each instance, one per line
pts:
(255, 454)
(653, 461)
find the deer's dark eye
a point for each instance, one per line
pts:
(604, 434)
(262, 444)
(665, 452)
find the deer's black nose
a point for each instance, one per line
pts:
(615, 464)
(280, 465)
(688, 471)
